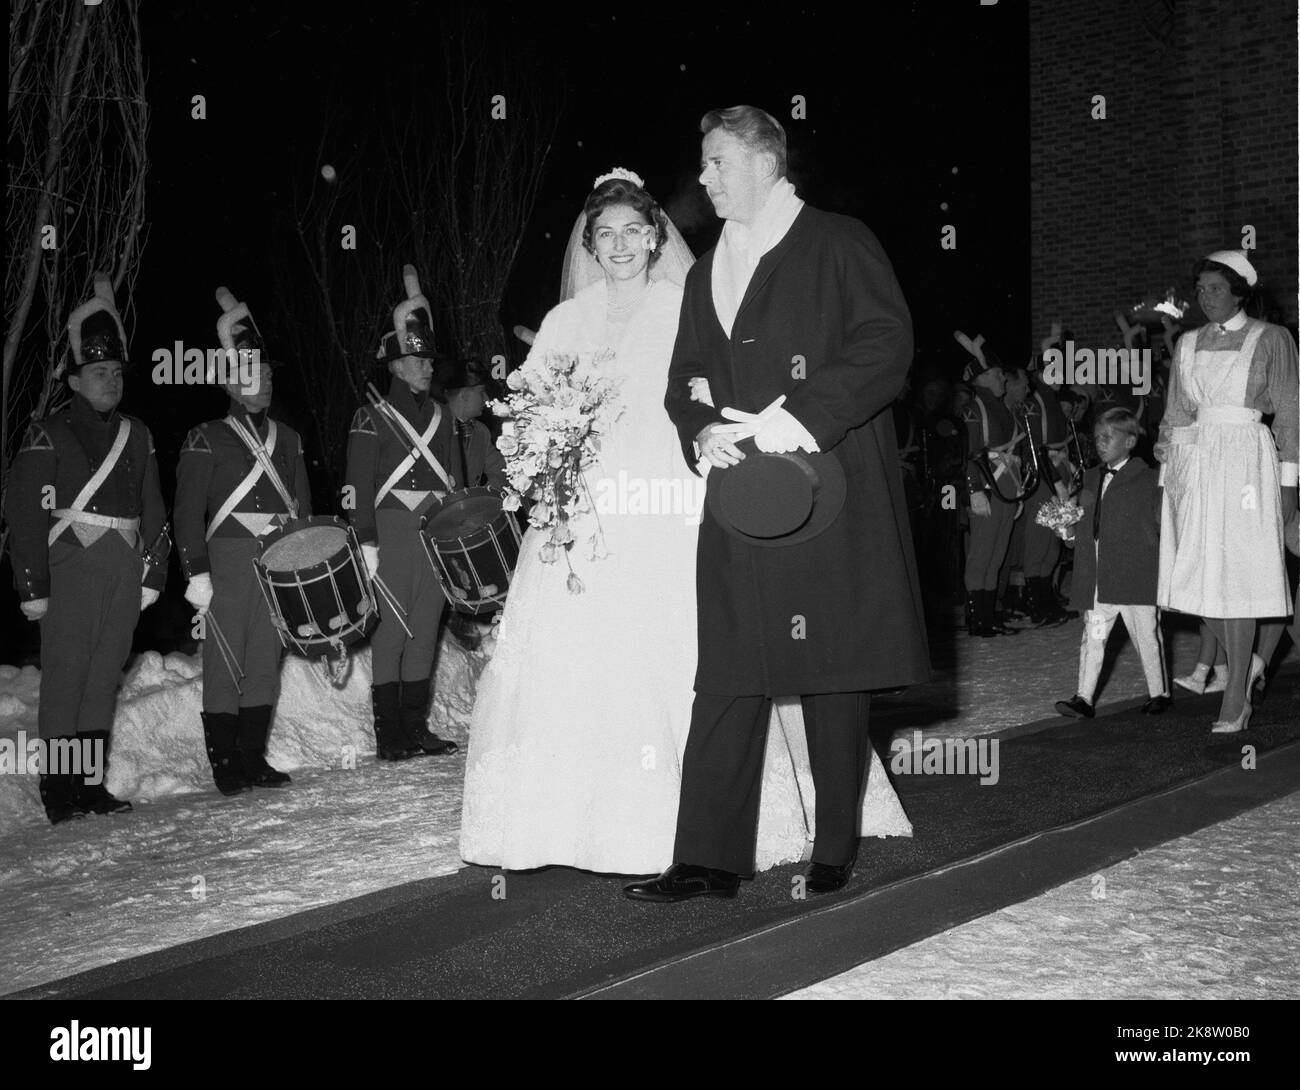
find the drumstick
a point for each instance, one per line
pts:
(227, 653)
(391, 599)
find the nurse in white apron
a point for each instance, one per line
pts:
(1229, 480)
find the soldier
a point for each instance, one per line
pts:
(89, 549)
(239, 477)
(991, 437)
(401, 457)
(1049, 432)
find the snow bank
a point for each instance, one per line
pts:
(158, 749)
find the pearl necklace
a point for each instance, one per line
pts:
(619, 310)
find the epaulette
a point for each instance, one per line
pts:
(37, 438)
(362, 422)
(196, 442)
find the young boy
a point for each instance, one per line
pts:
(1116, 558)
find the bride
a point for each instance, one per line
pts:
(582, 714)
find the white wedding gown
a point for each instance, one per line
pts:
(581, 716)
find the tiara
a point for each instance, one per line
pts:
(622, 174)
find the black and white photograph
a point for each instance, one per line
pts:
(622, 501)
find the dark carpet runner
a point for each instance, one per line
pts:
(560, 933)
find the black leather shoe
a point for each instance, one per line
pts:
(682, 881)
(1076, 708)
(1156, 705)
(94, 798)
(400, 752)
(430, 745)
(826, 878)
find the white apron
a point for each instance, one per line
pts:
(1221, 524)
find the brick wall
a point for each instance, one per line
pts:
(1199, 139)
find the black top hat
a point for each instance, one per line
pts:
(777, 499)
(95, 331)
(457, 374)
(412, 332)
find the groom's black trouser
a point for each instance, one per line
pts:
(722, 777)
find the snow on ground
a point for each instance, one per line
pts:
(1214, 915)
(189, 862)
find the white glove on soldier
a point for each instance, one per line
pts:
(35, 609)
(198, 592)
(370, 557)
(774, 430)
(147, 597)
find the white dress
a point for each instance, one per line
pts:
(1221, 551)
(581, 716)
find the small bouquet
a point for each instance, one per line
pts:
(558, 408)
(1059, 516)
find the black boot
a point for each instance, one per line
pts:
(59, 797)
(1013, 602)
(1045, 610)
(975, 625)
(993, 625)
(414, 717)
(254, 727)
(94, 798)
(221, 732)
(390, 744)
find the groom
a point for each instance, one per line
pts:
(802, 303)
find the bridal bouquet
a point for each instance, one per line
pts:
(558, 407)
(1059, 516)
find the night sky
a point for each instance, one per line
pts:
(915, 107)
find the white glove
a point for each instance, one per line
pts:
(979, 504)
(370, 557)
(198, 592)
(147, 597)
(700, 391)
(35, 609)
(774, 430)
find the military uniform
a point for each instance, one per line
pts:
(83, 506)
(402, 458)
(1049, 432)
(990, 433)
(226, 501)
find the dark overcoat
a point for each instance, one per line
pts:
(824, 322)
(1129, 539)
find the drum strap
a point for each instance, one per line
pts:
(419, 447)
(87, 493)
(262, 466)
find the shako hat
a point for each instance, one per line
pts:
(412, 332)
(95, 331)
(775, 499)
(237, 331)
(981, 359)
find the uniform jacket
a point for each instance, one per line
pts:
(989, 424)
(823, 321)
(374, 452)
(214, 461)
(1122, 566)
(65, 450)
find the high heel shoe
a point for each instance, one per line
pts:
(1196, 680)
(1233, 726)
(1256, 678)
